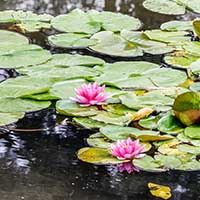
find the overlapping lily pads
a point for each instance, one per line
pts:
(26, 21)
(93, 21)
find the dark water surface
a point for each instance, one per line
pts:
(41, 164)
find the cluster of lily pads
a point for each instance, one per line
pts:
(124, 101)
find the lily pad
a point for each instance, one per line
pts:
(110, 118)
(169, 124)
(26, 57)
(8, 118)
(22, 86)
(187, 108)
(168, 161)
(98, 156)
(71, 40)
(69, 108)
(15, 105)
(114, 45)
(114, 22)
(71, 23)
(193, 132)
(65, 89)
(88, 123)
(147, 163)
(177, 26)
(167, 7)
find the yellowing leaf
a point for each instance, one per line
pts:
(196, 25)
(142, 113)
(161, 191)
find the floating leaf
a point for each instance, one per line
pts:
(150, 122)
(69, 108)
(187, 108)
(98, 156)
(65, 89)
(15, 105)
(71, 23)
(142, 113)
(170, 148)
(8, 118)
(113, 44)
(189, 149)
(169, 124)
(169, 161)
(26, 57)
(114, 21)
(167, 7)
(193, 132)
(88, 123)
(147, 163)
(196, 26)
(163, 192)
(71, 40)
(177, 26)
(99, 143)
(110, 118)
(24, 85)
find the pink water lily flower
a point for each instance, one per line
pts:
(128, 167)
(91, 94)
(127, 149)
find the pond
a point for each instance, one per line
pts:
(38, 158)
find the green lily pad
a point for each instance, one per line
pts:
(8, 118)
(169, 124)
(88, 123)
(189, 149)
(71, 40)
(15, 105)
(180, 59)
(115, 133)
(147, 100)
(69, 108)
(68, 60)
(27, 21)
(193, 132)
(174, 38)
(10, 40)
(76, 21)
(190, 166)
(65, 89)
(110, 118)
(150, 122)
(114, 22)
(177, 26)
(22, 86)
(167, 7)
(145, 43)
(168, 161)
(114, 45)
(26, 57)
(187, 108)
(147, 163)
(98, 156)
(99, 143)
(118, 109)
(170, 148)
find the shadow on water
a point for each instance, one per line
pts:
(38, 157)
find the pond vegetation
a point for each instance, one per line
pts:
(141, 116)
